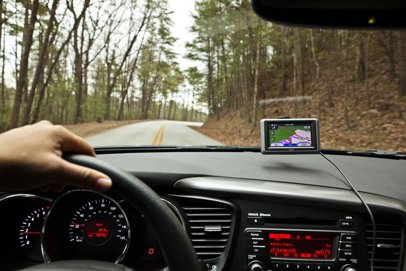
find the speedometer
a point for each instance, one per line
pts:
(97, 223)
(84, 224)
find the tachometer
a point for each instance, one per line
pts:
(22, 218)
(30, 233)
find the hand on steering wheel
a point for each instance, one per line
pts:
(31, 157)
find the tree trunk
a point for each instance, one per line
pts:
(256, 79)
(78, 66)
(298, 60)
(282, 84)
(366, 81)
(210, 87)
(170, 109)
(159, 109)
(388, 42)
(42, 60)
(402, 69)
(360, 71)
(3, 70)
(24, 61)
(316, 63)
(175, 105)
(2, 46)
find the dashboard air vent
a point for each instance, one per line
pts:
(209, 225)
(388, 243)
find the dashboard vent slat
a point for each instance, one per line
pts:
(209, 225)
(388, 243)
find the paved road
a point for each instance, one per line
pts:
(160, 132)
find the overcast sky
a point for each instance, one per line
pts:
(182, 19)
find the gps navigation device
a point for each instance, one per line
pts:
(290, 136)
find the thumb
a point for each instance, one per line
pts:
(84, 177)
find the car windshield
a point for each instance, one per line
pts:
(204, 72)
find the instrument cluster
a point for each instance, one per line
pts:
(79, 224)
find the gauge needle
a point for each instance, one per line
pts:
(29, 232)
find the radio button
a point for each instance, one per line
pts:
(328, 267)
(297, 267)
(254, 234)
(256, 250)
(307, 267)
(348, 237)
(347, 245)
(342, 260)
(256, 242)
(322, 267)
(346, 254)
(288, 266)
(301, 267)
(277, 266)
(255, 220)
(346, 223)
(318, 267)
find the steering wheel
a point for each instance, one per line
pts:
(175, 244)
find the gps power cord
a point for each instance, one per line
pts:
(365, 204)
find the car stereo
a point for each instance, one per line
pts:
(290, 136)
(300, 249)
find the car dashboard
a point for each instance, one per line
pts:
(241, 210)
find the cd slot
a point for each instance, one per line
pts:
(300, 221)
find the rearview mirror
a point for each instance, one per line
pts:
(365, 14)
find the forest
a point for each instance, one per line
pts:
(82, 61)
(354, 82)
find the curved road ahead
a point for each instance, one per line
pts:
(160, 132)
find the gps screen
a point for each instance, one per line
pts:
(290, 135)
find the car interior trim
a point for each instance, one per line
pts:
(275, 190)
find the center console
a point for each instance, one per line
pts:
(301, 238)
(301, 249)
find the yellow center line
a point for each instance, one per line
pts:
(159, 136)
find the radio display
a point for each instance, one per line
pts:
(300, 245)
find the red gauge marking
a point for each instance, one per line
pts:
(29, 232)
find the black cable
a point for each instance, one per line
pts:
(371, 216)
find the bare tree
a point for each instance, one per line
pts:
(42, 59)
(114, 75)
(55, 60)
(31, 12)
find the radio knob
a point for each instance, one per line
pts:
(255, 266)
(348, 268)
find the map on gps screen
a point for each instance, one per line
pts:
(282, 135)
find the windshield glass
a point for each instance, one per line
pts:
(170, 72)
